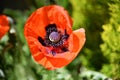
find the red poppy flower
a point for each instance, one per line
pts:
(49, 34)
(4, 25)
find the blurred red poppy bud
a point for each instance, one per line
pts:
(4, 25)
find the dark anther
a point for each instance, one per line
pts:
(64, 49)
(65, 35)
(41, 41)
(53, 53)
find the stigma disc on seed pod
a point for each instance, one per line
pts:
(54, 37)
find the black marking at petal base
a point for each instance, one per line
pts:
(66, 35)
(41, 41)
(50, 28)
(64, 49)
(53, 53)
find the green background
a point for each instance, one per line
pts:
(99, 59)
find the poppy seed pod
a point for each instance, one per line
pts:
(4, 25)
(51, 40)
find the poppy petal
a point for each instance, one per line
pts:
(4, 25)
(37, 23)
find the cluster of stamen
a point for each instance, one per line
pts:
(54, 38)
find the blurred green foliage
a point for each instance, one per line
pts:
(101, 20)
(111, 38)
(91, 14)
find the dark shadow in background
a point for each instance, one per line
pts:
(16, 4)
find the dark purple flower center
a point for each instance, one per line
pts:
(54, 38)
